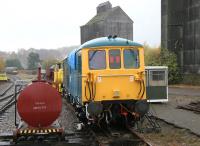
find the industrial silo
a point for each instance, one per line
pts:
(181, 32)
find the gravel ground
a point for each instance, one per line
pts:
(68, 117)
(172, 136)
(7, 123)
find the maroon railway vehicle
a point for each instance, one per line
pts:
(39, 106)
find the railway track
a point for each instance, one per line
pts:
(141, 139)
(6, 101)
(119, 137)
(7, 89)
(85, 137)
(193, 106)
(126, 136)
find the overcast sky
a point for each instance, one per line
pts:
(52, 24)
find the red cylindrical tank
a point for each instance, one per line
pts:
(39, 104)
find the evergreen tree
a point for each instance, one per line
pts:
(13, 63)
(33, 60)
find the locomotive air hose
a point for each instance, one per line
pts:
(143, 89)
(99, 120)
(92, 90)
(87, 84)
(91, 84)
(94, 94)
(85, 92)
(90, 93)
(140, 89)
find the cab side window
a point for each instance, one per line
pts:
(78, 62)
(97, 59)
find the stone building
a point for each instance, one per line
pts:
(108, 21)
(180, 24)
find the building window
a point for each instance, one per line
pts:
(158, 75)
(131, 58)
(157, 78)
(114, 59)
(97, 59)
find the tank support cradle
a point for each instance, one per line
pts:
(36, 134)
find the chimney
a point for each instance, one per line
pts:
(103, 7)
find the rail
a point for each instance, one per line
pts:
(7, 89)
(8, 100)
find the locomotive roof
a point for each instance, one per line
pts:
(99, 42)
(105, 41)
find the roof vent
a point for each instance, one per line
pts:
(110, 36)
(127, 42)
(114, 36)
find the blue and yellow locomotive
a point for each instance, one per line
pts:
(105, 80)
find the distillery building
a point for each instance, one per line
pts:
(108, 21)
